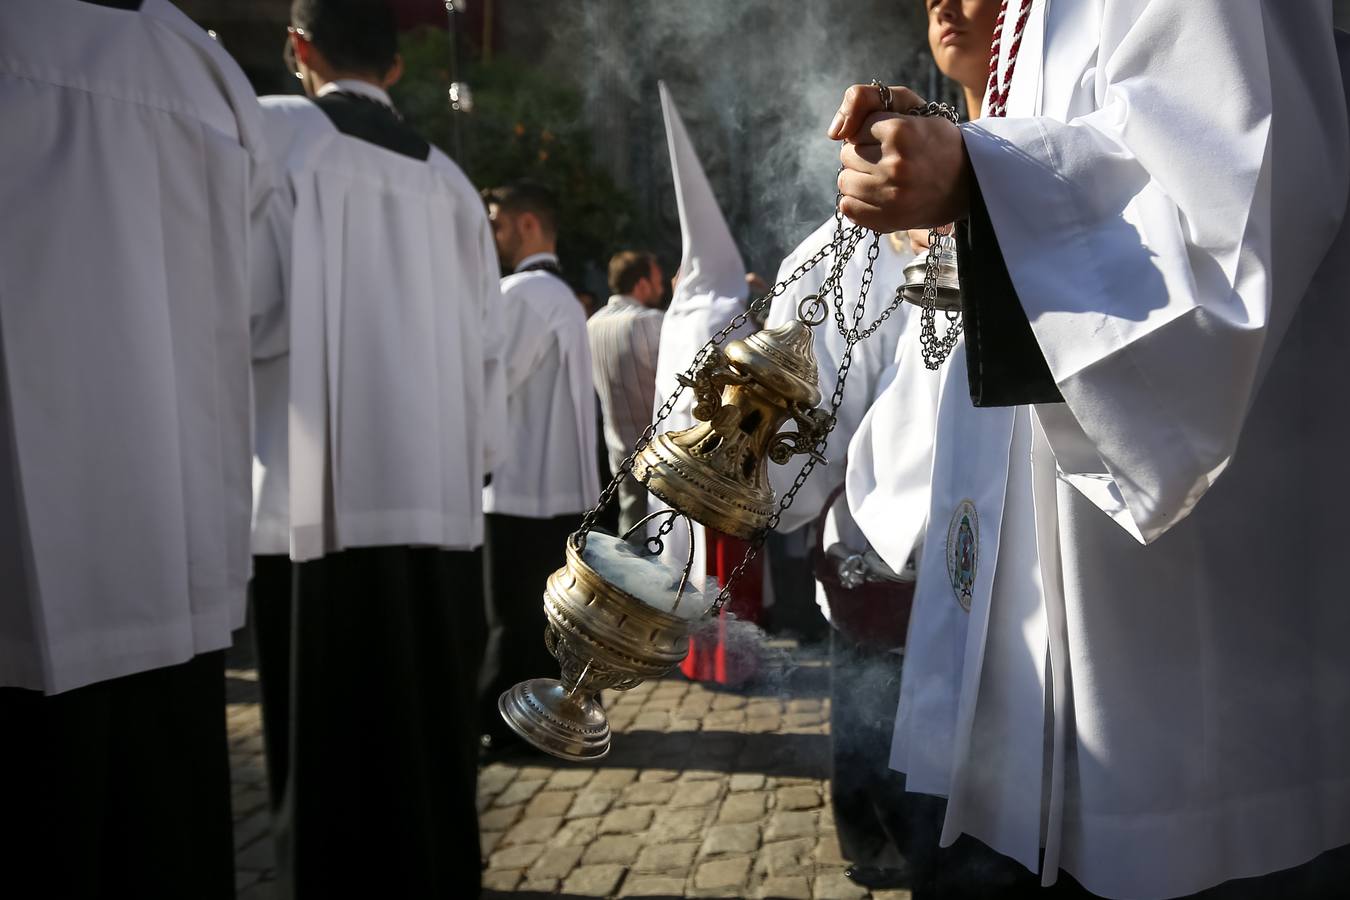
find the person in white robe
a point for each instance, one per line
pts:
(711, 291)
(379, 400)
(1125, 659)
(134, 180)
(549, 475)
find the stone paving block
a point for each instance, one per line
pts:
(618, 849)
(648, 793)
(698, 793)
(651, 721)
(556, 863)
(805, 705)
(653, 886)
(632, 820)
(827, 849)
(801, 720)
(666, 859)
(577, 832)
(661, 704)
(679, 824)
(728, 701)
(483, 802)
(747, 806)
(763, 724)
(763, 708)
(257, 856)
(590, 802)
(532, 831)
(727, 840)
(786, 858)
(538, 886)
(521, 856)
(569, 779)
(660, 775)
(784, 825)
(499, 819)
(252, 828)
(549, 803)
(535, 772)
(493, 779)
(621, 721)
(683, 724)
(593, 881)
(790, 887)
(837, 887)
(892, 895)
(613, 779)
(518, 792)
(502, 880)
(701, 775)
(248, 800)
(743, 781)
(722, 873)
(724, 720)
(797, 797)
(488, 841)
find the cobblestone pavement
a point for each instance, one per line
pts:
(706, 793)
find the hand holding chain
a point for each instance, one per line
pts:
(936, 349)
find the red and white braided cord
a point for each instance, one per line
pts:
(996, 94)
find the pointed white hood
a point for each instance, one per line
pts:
(711, 289)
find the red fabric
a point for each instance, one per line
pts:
(711, 656)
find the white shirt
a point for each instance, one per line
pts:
(379, 424)
(550, 464)
(625, 337)
(1152, 682)
(133, 167)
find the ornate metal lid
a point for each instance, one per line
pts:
(781, 359)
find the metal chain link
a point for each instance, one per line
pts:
(936, 349)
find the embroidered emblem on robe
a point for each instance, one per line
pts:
(963, 543)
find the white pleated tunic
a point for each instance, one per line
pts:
(549, 467)
(133, 168)
(381, 399)
(1151, 684)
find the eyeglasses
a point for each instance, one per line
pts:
(288, 51)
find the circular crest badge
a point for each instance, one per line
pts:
(963, 547)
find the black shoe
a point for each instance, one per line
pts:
(878, 878)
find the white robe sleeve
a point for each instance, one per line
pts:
(495, 439)
(1141, 233)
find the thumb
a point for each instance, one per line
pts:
(861, 101)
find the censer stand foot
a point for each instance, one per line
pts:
(568, 726)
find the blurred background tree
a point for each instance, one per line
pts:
(526, 122)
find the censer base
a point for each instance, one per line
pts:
(568, 726)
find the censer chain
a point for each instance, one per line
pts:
(843, 237)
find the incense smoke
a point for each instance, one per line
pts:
(756, 81)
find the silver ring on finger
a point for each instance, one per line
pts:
(885, 93)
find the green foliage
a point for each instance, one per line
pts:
(525, 123)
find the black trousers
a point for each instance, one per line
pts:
(367, 660)
(518, 556)
(119, 789)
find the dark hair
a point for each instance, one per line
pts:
(526, 196)
(627, 268)
(357, 36)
